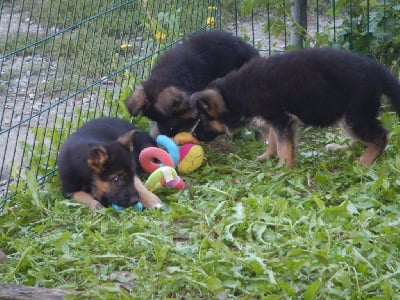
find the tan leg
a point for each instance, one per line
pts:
(271, 150)
(286, 152)
(147, 198)
(286, 140)
(87, 198)
(373, 151)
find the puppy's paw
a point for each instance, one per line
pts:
(158, 206)
(147, 198)
(264, 156)
(93, 205)
(150, 201)
(333, 147)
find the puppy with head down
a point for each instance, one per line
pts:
(182, 70)
(314, 87)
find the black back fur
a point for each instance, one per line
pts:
(319, 86)
(190, 66)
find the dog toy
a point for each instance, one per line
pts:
(137, 207)
(185, 138)
(171, 147)
(191, 158)
(165, 175)
(186, 158)
(149, 155)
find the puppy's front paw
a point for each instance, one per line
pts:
(147, 198)
(151, 201)
(264, 156)
(335, 147)
(331, 147)
(93, 205)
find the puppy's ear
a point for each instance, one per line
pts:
(97, 158)
(209, 101)
(126, 139)
(137, 101)
(172, 101)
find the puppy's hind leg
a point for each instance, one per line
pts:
(373, 135)
(374, 149)
(147, 198)
(286, 151)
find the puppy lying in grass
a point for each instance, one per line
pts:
(98, 165)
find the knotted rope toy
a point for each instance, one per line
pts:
(164, 176)
(161, 164)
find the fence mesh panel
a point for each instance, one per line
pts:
(63, 62)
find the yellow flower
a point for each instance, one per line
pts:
(126, 46)
(160, 35)
(212, 8)
(210, 21)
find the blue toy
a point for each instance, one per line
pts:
(137, 207)
(171, 147)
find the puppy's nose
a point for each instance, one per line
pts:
(133, 200)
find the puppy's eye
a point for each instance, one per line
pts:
(119, 179)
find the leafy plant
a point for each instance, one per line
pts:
(370, 28)
(327, 228)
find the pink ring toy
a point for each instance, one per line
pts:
(149, 154)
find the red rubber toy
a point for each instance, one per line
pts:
(152, 158)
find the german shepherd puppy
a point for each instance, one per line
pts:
(98, 163)
(317, 87)
(183, 70)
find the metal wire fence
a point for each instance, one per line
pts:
(369, 27)
(63, 62)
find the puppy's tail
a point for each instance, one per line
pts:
(392, 90)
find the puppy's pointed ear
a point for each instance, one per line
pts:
(137, 101)
(209, 102)
(126, 139)
(98, 157)
(172, 101)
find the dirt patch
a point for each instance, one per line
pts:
(32, 94)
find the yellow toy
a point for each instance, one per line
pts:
(190, 158)
(185, 138)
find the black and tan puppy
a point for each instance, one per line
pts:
(317, 87)
(98, 163)
(186, 68)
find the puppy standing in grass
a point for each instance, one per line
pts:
(98, 163)
(317, 87)
(182, 70)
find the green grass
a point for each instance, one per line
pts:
(326, 229)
